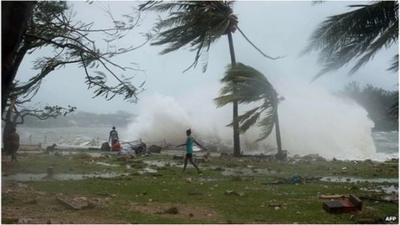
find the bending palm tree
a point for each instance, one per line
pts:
(244, 84)
(358, 34)
(198, 24)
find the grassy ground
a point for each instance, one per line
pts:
(169, 196)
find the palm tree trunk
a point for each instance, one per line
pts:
(278, 132)
(236, 137)
(280, 155)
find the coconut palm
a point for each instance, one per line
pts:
(245, 85)
(198, 24)
(356, 35)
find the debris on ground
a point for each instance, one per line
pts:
(331, 196)
(343, 205)
(188, 180)
(137, 146)
(393, 198)
(231, 192)
(296, 180)
(155, 149)
(280, 181)
(105, 147)
(76, 203)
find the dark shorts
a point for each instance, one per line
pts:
(189, 155)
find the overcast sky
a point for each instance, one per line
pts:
(278, 28)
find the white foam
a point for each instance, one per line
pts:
(313, 121)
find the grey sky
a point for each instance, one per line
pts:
(279, 28)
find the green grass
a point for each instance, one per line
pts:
(299, 203)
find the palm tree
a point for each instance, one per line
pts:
(245, 84)
(358, 34)
(198, 24)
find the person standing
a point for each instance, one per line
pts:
(189, 150)
(113, 136)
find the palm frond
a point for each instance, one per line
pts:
(395, 63)
(266, 124)
(245, 124)
(357, 34)
(191, 23)
(245, 84)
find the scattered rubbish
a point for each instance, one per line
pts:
(231, 192)
(137, 146)
(63, 176)
(391, 198)
(343, 205)
(106, 164)
(155, 149)
(382, 198)
(188, 180)
(76, 203)
(331, 196)
(105, 147)
(148, 171)
(341, 179)
(281, 181)
(296, 179)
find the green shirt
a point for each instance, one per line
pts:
(189, 145)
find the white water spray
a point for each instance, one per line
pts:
(313, 121)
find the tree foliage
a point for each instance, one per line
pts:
(84, 119)
(196, 24)
(17, 114)
(378, 102)
(52, 26)
(356, 35)
(251, 86)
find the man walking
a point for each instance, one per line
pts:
(189, 150)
